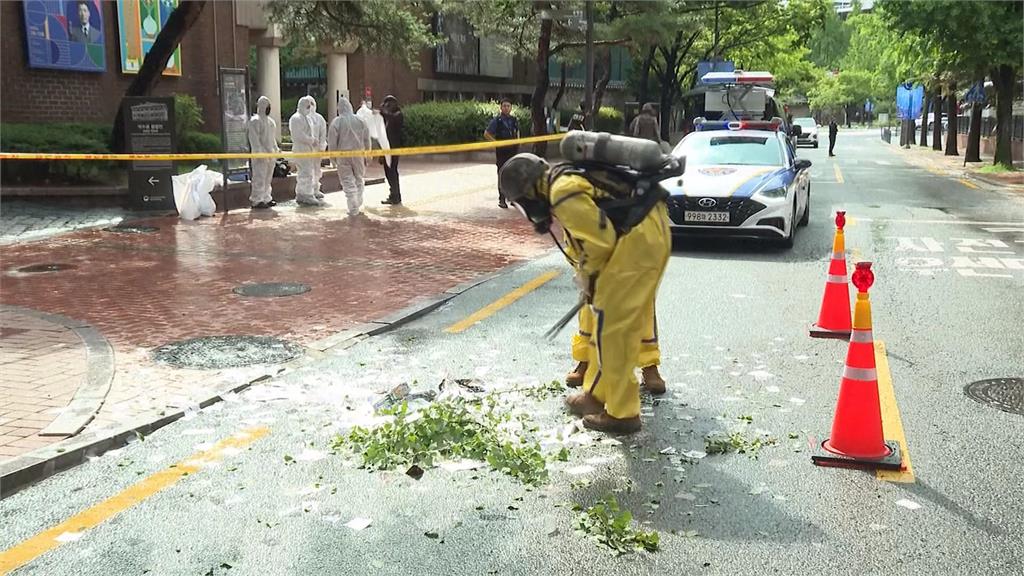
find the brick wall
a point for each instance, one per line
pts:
(41, 95)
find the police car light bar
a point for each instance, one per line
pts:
(703, 125)
(738, 77)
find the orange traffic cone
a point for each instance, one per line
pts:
(834, 318)
(856, 439)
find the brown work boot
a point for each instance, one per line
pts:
(582, 403)
(575, 378)
(602, 422)
(652, 380)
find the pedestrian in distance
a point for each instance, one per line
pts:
(394, 127)
(617, 275)
(504, 126)
(833, 131)
(262, 131)
(349, 132)
(320, 133)
(646, 124)
(304, 140)
(579, 118)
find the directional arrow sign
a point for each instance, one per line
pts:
(153, 180)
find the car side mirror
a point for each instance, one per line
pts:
(801, 164)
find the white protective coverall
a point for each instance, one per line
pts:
(320, 132)
(375, 122)
(304, 140)
(349, 132)
(262, 138)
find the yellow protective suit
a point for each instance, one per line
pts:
(626, 273)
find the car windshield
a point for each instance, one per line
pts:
(717, 148)
(805, 122)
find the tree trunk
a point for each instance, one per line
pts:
(645, 76)
(178, 24)
(1003, 77)
(937, 120)
(924, 119)
(602, 84)
(540, 90)
(561, 90)
(951, 123)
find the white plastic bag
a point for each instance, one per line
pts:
(192, 192)
(375, 122)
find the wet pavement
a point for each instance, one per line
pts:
(261, 488)
(145, 290)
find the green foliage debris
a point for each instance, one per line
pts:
(611, 526)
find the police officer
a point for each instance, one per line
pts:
(504, 126)
(619, 276)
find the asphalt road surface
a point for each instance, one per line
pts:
(265, 494)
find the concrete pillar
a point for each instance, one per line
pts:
(337, 82)
(268, 81)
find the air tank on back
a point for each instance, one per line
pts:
(639, 154)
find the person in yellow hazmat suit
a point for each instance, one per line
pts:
(617, 274)
(650, 352)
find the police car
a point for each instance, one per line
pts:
(742, 179)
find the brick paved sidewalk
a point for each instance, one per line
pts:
(146, 290)
(42, 364)
(954, 166)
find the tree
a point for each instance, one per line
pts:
(178, 24)
(973, 36)
(399, 29)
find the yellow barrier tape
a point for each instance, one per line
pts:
(410, 151)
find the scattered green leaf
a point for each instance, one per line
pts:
(610, 526)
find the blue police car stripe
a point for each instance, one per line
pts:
(780, 177)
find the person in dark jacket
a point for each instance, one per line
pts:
(504, 126)
(833, 131)
(393, 121)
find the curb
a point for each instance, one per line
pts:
(91, 394)
(27, 469)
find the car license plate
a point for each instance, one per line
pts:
(720, 217)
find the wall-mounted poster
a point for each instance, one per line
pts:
(460, 53)
(65, 35)
(138, 24)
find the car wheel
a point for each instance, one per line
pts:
(788, 241)
(807, 208)
(815, 144)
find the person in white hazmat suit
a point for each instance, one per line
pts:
(304, 140)
(262, 138)
(320, 132)
(349, 132)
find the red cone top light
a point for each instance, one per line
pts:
(863, 277)
(840, 220)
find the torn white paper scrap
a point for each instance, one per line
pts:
(797, 401)
(695, 454)
(761, 375)
(668, 451)
(580, 470)
(908, 504)
(68, 537)
(358, 523)
(459, 465)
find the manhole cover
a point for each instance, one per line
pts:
(269, 289)
(130, 229)
(50, 267)
(1007, 394)
(214, 352)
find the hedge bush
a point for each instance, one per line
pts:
(75, 138)
(608, 119)
(429, 123)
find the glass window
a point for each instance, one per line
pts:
(702, 149)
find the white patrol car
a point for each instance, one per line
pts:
(742, 178)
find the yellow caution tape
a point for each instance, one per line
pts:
(410, 151)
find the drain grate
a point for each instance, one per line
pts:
(215, 352)
(1007, 394)
(272, 289)
(132, 229)
(49, 267)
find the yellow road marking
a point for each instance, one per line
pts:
(969, 184)
(839, 174)
(28, 550)
(892, 425)
(502, 302)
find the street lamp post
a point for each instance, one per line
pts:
(589, 76)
